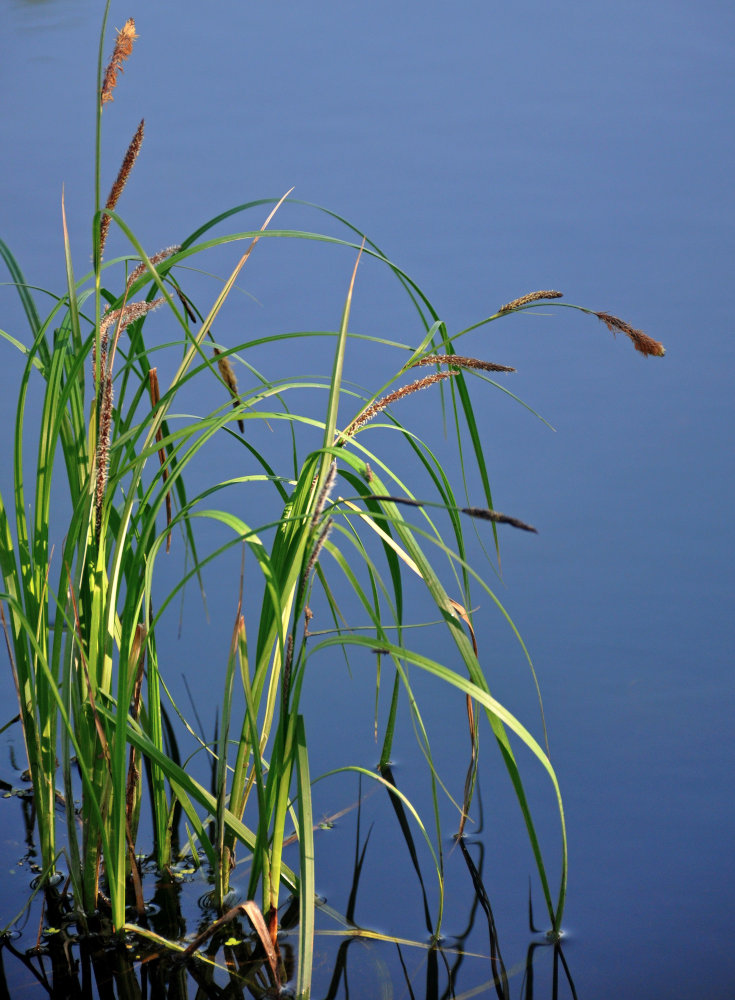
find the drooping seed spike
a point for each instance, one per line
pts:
(641, 341)
(484, 514)
(127, 315)
(406, 501)
(460, 361)
(155, 259)
(392, 397)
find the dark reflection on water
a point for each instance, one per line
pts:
(67, 963)
(221, 956)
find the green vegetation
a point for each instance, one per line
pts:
(103, 481)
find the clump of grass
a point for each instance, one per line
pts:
(82, 631)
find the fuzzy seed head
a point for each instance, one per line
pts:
(155, 259)
(121, 180)
(531, 297)
(123, 48)
(103, 449)
(458, 361)
(324, 494)
(323, 536)
(641, 341)
(392, 397)
(127, 315)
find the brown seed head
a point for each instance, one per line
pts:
(406, 501)
(316, 552)
(324, 494)
(458, 361)
(186, 304)
(155, 259)
(392, 397)
(319, 545)
(103, 449)
(123, 47)
(641, 341)
(531, 297)
(103, 352)
(119, 318)
(127, 315)
(121, 180)
(228, 377)
(484, 514)
(226, 371)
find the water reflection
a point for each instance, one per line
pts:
(231, 963)
(162, 957)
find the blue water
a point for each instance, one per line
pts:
(490, 149)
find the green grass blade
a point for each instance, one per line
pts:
(307, 893)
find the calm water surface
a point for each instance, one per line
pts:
(490, 150)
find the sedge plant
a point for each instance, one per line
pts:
(114, 480)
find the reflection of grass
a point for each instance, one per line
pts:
(83, 611)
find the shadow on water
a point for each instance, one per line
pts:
(223, 957)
